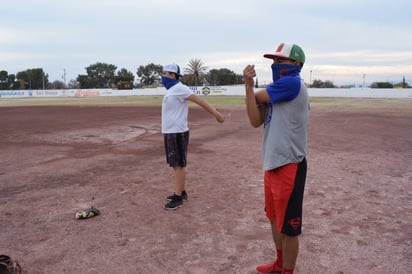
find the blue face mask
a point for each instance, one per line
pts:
(279, 70)
(168, 82)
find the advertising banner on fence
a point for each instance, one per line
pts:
(238, 90)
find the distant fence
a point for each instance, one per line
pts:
(102, 92)
(65, 93)
(238, 90)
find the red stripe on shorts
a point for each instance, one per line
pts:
(279, 184)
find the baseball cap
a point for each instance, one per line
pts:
(172, 68)
(293, 52)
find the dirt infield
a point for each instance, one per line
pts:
(56, 160)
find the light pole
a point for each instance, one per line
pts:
(30, 79)
(64, 76)
(364, 77)
(310, 79)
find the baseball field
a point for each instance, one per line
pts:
(58, 156)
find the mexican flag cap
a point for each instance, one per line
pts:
(293, 52)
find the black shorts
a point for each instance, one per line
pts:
(176, 148)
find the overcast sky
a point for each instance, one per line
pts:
(344, 41)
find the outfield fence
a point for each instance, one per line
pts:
(237, 90)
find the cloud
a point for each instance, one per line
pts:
(339, 37)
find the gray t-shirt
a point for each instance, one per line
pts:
(285, 134)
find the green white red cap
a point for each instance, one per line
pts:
(293, 52)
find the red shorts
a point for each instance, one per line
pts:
(284, 187)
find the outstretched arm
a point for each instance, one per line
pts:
(254, 101)
(197, 100)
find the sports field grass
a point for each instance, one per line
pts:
(324, 103)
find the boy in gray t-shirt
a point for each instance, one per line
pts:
(283, 108)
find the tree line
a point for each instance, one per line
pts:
(103, 75)
(329, 84)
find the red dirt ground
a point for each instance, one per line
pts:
(57, 160)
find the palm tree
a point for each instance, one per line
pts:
(195, 72)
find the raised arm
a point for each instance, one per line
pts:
(255, 107)
(199, 101)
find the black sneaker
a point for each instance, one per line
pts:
(184, 196)
(175, 203)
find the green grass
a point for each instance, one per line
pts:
(317, 103)
(362, 104)
(83, 101)
(110, 101)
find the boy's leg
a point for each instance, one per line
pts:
(277, 237)
(290, 245)
(180, 173)
(287, 245)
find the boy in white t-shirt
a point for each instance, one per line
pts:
(175, 128)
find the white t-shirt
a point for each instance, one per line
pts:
(175, 109)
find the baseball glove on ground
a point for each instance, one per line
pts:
(9, 266)
(87, 213)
